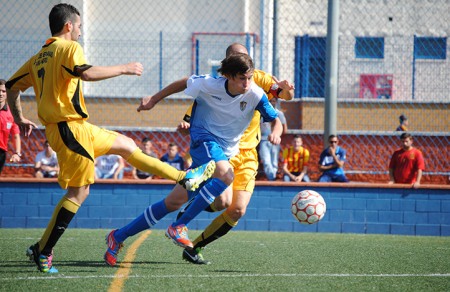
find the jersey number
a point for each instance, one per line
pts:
(41, 74)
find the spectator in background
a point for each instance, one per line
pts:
(109, 166)
(295, 162)
(407, 164)
(332, 161)
(172, 157)
(7, 127)
(268, 152)
(46, 163)
(403, 123)
(146, 147)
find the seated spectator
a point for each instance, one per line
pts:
(406, 164)
(332, 161)
(146, 147)
(295, 162)
(268, 152)
(403, 123)
(109, 166)
(46, 163)
(173, 158)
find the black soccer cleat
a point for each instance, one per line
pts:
(194, 256)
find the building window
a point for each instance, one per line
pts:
(431, 48)
(369, 47)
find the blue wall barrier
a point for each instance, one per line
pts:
(351, 208)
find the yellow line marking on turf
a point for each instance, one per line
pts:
(125, 267)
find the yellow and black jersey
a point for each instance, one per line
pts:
(53, 74)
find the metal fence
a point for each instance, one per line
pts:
(393, 60)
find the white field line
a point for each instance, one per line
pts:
(224, 275)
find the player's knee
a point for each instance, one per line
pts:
(173, 205)
(227, 176)
(221, 203)
(123, 146)
(236, 213)
(224, 172)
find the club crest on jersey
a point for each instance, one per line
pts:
(243, 105)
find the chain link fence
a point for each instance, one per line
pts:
(393, 60)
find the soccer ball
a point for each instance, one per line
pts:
(308, 207)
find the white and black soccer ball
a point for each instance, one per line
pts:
(308, 207)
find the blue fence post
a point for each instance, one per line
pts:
(197, 56)
(413, 81)
(160, 60)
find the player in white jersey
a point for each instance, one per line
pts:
(218, 116)
(222, 110)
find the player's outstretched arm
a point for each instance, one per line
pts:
(97, 73)
(148, 102)
(25, 125)
(287, 89)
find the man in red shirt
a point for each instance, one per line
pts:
(406, 164)
(7, 126)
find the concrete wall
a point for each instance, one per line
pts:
(351, 208)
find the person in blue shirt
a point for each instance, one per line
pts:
(172, 157)
(332, 161)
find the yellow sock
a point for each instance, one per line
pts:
(62, 215)
(218, 228)
(155, 166)
(213, 207)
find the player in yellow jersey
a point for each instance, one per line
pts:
(56, 73)
(245, 165)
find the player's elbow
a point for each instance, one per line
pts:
(85, 76)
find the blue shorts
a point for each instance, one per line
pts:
(203, 152)
(332, 178)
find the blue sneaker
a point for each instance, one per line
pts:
(44, 263)
(196, 176)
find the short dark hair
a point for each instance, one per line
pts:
(236, 64)
(331, 137)
(2, 81)
(405, 136)
(145, 140)
(297, 136)
(59, 15)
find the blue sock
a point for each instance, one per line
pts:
(144, 221)
(206, 195)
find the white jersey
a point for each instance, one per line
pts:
(218, 116)
(45, 160)
(51, 161)
(107, 164)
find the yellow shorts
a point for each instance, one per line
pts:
(245, 166)
(76, 144)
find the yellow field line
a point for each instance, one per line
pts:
(125, 267)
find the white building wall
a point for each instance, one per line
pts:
(117, 31)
